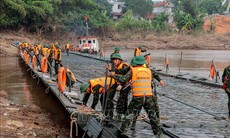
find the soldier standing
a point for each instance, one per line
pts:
(226, 85)
(57, 56)
(119, 67)
(141, 78)
(67, 47)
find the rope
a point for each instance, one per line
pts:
(73, 121)
(47, 90)
(34, 76)
(142, 117)
(101, 117)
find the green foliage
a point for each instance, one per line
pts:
(128, 23)
(139, 7)
(186, 22)
(159, 22)
(212, 6)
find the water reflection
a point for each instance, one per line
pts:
(22, 89)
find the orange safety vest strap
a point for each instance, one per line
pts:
(137, 52)
(120, 66)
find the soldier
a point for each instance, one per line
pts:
(155, 99)
(45, 51)
(141, 78)
(119, 67)
(57, 57)
(70, 78)
(116, 50)
(226, 85)
(67, 47)
(138, 50)
(96, 87)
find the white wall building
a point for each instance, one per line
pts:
(117, 8)
(164, 7)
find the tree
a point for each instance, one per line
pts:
(212, 6)
(139, 7)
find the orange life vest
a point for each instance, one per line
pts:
(212, 71)
(53, 52)
(67, 46)
(100, 82)
(39, 47)
(45, 52)
(141, 81)
(71, 74)
(56, 53)
(36, 51)
(137, 52)
(120, 66)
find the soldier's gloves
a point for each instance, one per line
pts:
(112, 73)
(89, 109)
(108, 67)
(162, 83)
(82, 107)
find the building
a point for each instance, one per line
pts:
(117, 8)
(157, 1)
(164, 7)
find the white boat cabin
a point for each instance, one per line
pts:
(88, 43)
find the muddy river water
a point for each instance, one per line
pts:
(21, 88)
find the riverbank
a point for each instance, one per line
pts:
(152, 41)
(26, 120)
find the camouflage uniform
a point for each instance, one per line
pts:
(155, 100)
(135, 106)
(96, 95)
(122, 100)
(226, 80)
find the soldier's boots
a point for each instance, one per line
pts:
(120, 118)
(160, 135)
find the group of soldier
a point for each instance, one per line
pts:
(51, 51)
(136, 78)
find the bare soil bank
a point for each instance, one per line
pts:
(26, 121)
(152, 41)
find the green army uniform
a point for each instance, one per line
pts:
(226, 80)
(50, 59)
(96, 95)
(122, 102)
(137, 103)
(155, 100)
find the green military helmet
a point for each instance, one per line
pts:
(116, 56)
(140, 46)
(84, 86)
(57, 45)
(131, 63)
(117, 49)
(139, 60)
(49, 46)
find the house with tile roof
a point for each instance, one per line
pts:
(163, 7)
